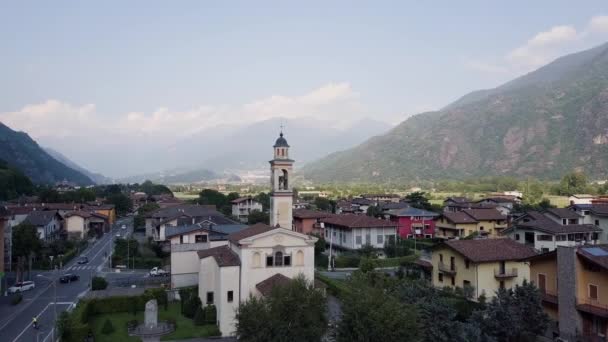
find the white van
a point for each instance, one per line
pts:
(22, 286)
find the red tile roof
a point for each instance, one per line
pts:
(488, 250)
(485, 214)
(265, 286)
(223, 255)
(357, 221)
(459, 217)
(310, 214)
(256, 229)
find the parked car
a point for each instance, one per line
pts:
(158, 272)
(124, 226)
(83, 260)
(21, 286)
(68, 278)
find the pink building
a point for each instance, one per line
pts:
(309, 221)
(413, 219)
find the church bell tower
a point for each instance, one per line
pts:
(281, 194)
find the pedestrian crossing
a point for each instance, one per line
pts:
(80, 268)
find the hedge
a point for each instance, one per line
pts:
(335, 287)
(347, 260)
(79, 319)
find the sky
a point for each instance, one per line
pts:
(87, 76)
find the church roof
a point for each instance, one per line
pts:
(223, 255)
(256, 229)
(265, 286)
(281, 142)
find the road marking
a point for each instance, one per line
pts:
(40, 314)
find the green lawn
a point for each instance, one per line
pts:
(185, 196)
(185, 326)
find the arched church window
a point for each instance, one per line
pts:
(256, 259)
(278, 259)
(285, 180)
(299, 258)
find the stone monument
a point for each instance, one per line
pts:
(151, 330)
(151, 314)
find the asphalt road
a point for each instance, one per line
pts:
(16, 321)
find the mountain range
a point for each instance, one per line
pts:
(23, 153)
(98, 178)
(543, 124)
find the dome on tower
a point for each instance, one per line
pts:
(281, 142)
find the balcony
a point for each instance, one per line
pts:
(592, 306)
(549, 297)
(505, 273)
(447, 269)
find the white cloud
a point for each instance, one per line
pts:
(546, 46)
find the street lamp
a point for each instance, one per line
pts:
(54, 304)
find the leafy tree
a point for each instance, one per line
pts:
(419, 200)
(374, 211)
(140, 219)
(367, 265)
(107, 328)
(63, 325)
(324, 204)
(256, 216)
(48, 195)
(199, 316)
(292, 312)
(370, 314)
(533, 192)
(13, 183)
(264, 199)
(573, 183)
(513, 315)
(98, 283)
(152, 189)
(122, 203)
(26, 244)
(320, 245)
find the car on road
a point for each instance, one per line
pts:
(158, 272)
(21, 286)
(68, 278)
(124, 226)
(83, 260)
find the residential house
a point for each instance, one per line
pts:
(351, 231)
(599, 215)
(362, 204)
(457, 224)
(491, 221)
(387, 206)
(186, 241)
(454, 204)
(483, 265)
(545, 231)
(241, 207)
(80, 224)
(47, 223)
(584, 212)
(307, 221)
(414, 221)
(106, 210)
(255, 260)
(543, 273)
(502, 201)
(186, 214)
(393, 198)
(581, 199)
(574, 284)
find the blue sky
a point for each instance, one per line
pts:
(155, 67)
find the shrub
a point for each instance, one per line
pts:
(63, 325)
(172, 321)
(132, 324)
(99, 283)
(108, 327)
(191, 305)
(210, 314)
(199, 316)
(16, 299)
(347, 260)
(214, 331)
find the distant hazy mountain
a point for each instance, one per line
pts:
(96, 177)
(23, 153)
(250, 146)
(544, 124)
(176, 176)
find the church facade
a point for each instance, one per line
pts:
(256, 259)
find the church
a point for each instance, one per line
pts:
(258, 257)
